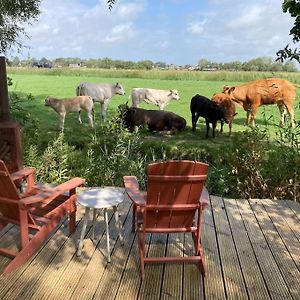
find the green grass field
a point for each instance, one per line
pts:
(62, 83)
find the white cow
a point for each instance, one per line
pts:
(74, 104)
(100, 92)
(152, 96)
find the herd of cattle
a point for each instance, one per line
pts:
(221, 107)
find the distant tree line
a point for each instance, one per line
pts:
(257, 64)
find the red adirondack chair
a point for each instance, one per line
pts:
(38, 210)
(175, 193)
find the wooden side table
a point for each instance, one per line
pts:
(100, 198)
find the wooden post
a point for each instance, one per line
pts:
(10, 136)
(4, 106)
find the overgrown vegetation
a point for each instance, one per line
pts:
(251, 166)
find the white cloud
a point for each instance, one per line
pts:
(120, 33)
(196, 28)
(218, 30)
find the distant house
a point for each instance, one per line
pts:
(210, 69)
(78, 65)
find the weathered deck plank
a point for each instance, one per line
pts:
(213, 283)
(172, 280)
(256, 287)
(251, 250)
(269, 268)
(233, 277)
(280, 252)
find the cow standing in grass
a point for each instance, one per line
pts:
(161, 98)
(203, 107)
(100, 92)
(229, 109)
(253, 94)
(74, 104)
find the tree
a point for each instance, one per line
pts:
(110, 3)
(12, 15)
(293, 8)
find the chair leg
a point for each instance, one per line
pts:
(141, 239)
(202, 266)
(133, 217)
(72, 215)
(72, 222)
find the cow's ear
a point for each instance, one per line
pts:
(171, 92)
(235, 114)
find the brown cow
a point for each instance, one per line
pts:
(253, 94)
(225, 102)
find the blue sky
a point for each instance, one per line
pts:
(172, 31)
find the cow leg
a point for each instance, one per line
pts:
(90, 117)
(230, 126)
(62, 116)
(253, 113)
(291, 113)
(222, 123)
(214, 128)
(79, 117)
(104, 106)
(195, 118)
(207, 128)
(247, 118)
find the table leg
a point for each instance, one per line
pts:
(107, 234)
(93, 224)
(118, 224)
(86, 216)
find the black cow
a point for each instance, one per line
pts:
(156, 120)
(209, 110)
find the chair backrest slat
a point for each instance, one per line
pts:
(174, 183)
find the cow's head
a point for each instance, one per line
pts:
(220, 97)
(126, 115)
(48, 101)
(119, 89)
(174, 94)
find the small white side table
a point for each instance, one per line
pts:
(100, 198)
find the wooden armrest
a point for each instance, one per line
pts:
(22, 173)
(138, 198)
(204, 198)
(39, 197)
(132, 189)
(69, 185)
(52, 193)
(131, 182)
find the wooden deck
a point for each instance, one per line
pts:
(251, 248)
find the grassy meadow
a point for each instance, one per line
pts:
(40, 83)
